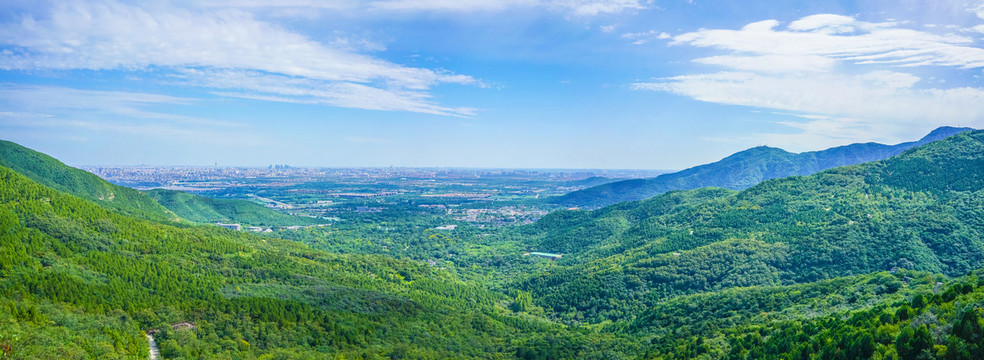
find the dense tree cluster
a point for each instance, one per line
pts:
(108, 277)
(920, 210)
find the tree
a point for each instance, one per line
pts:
(911, 344)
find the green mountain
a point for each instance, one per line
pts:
(904, 315)
(744, 169)
(51, 172)
(203, 209)
(80, 281)
(921, 210)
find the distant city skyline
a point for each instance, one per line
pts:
(515, 84)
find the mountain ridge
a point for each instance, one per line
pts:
(744, 169)
(51, 172)
(156, 205)
(203, 209)
(920, 210)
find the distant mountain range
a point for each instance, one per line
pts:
(921, 210)
(744, 169)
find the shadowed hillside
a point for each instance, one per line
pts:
(203, 209)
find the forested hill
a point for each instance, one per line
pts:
(80, 281)
(744, 169)
(49, 171)
(922, 210)
(203, 209)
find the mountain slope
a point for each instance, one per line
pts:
(203, 209)
(744, 169)
(51, 172)
(921, 210)
(905, 315)
(81, 281)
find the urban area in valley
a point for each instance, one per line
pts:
(480, 197)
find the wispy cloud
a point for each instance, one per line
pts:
(276, 87)
(109, 35)
(979, 10)
(848, 75)
(842, 38)
(308, 4)
(63, 100)
(68, 111)
(645, 37)
(299, 7)
(571, 7)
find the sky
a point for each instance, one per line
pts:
(620, 84)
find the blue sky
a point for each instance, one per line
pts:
(474, 83)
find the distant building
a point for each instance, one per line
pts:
(255, 229)
(236, 227)
(446, 227)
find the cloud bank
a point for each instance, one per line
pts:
(110, 35)
(842, 73)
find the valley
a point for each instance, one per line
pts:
(851, 262)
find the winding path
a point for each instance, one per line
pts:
(155, 353)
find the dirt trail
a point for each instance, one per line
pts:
(155, 353)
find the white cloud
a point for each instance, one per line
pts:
(66, 111)
(69, 101)
(449, 5)
(275, 87)
(836, 74)
(646, 37)
(771, 63)
(572, 7)
(826, 23)
(315, 4)
(23, 115)
(844, 39)
(108, 35)
(596, 7)
(879, 96)
(883, 104)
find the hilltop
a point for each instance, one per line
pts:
(157, 205)
(49, 171)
